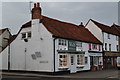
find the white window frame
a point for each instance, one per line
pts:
(108, 35)
(63, 61)
(80, 60)
(94, 46)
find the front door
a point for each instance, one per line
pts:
(73, 64)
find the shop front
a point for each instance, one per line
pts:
(96, 61)
(110, 60)
(71, 60)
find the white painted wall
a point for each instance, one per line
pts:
(96, 31)
(22, 60)
(111, 41)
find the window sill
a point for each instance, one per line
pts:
(80, 66)
(63, 68)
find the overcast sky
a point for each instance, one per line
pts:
(14, 14)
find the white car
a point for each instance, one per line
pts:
(118, 63)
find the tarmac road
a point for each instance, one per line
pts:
(90, 75)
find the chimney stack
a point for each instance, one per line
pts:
(36, 11)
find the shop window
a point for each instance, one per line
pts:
(86, 60)
(95, 60)
(63, 60)
(80, 59)
(72, 60)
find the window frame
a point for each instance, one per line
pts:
(109, 47)
(63, 60)
(28, 34)
(106, 46)
(25, 35)
(80, 59)
(108, 35)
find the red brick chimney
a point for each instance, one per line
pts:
(36, 11)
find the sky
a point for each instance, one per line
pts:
(15, 14)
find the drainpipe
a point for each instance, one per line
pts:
(54, 52)
(103, 50)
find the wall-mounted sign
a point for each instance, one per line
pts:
(43, 61)
(71, 45)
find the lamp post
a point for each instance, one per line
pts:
(8, 52)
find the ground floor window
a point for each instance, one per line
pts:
(80, 59)
(63, 59)
(95, 60)
(86, 60)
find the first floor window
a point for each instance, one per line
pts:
(108, 36)
(23, 35)
(29, 34)
(109, 47)
(80, 59)
(117, 47)
(94, 46)
(63, 60)
(62, 42)
(106, 46)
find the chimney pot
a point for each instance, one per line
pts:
(34, 5)
(38, 4)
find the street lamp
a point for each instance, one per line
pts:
(8, 52)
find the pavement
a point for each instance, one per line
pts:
(103, 74)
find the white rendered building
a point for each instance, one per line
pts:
(49, 45)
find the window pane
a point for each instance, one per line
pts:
(29, 34)
(23, 35)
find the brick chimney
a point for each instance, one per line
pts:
(36, 11)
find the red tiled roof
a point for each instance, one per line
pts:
(116, 27)
(66, 30)
(105, 28)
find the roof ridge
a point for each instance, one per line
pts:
(99, 23)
